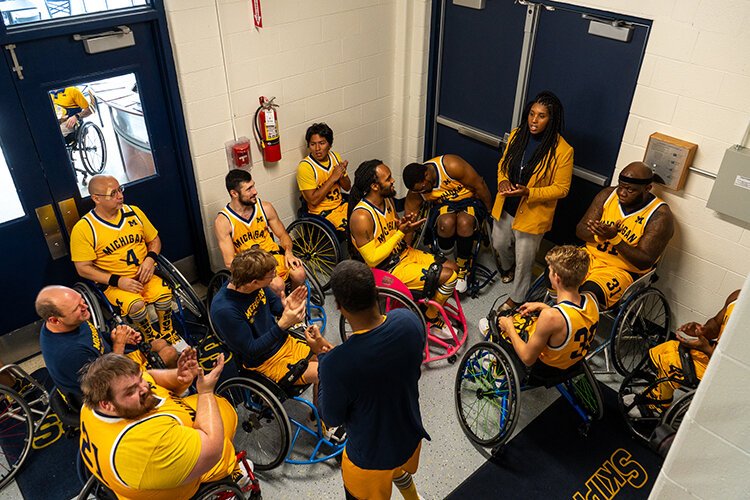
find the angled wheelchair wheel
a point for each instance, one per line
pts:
(538, 291)
(92, 148)
(91, 297)
(641, 323)
(389, 300)
(586, 392)
(676, 413)
(635, 403)
(487, 393)
(263, 427)
(218, 490)
(181, 288)
(316, 245)
(16, 432)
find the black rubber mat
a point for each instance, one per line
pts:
(551, 459)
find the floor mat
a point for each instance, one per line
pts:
(49, 471)
(550, 459)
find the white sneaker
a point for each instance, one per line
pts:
(635, 411)
(336, 435)
(242, 476)
(442, 332)
(461, 285)
(484, 327)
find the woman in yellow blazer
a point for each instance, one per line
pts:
(534, 173)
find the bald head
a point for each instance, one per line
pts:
(638, 170)
(100, 183)
(49, 300)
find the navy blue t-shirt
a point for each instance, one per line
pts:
(370, 384)
(66, 353)
(246, 322)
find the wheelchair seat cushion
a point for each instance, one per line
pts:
(541, 374)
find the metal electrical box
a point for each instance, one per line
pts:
(731, 192)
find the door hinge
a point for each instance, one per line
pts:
(17, 68)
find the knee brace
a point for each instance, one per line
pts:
(432, 279)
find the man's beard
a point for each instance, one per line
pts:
(245, 202)
(148, 403)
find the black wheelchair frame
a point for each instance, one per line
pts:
(88, 141)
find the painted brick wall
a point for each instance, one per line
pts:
(327, 60)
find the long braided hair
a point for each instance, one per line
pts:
(364, 177)
(540, 160)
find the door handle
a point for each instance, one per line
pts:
(52, 233)
(69, 213)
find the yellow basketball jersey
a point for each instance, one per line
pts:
(246, 233)
(728, 313)
(311, 174)
(632, 227)
(68, 101)
(581, 321)
(117, 246)
(385, 224)
(448, 188)
(128, 454)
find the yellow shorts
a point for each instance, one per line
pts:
(448, 209)
(139, 358)
(153, 291)
(277, 365)
(337, 217)
(611, 280)
(666, 358)
(281, 270)
(375, 484)
(412, 268)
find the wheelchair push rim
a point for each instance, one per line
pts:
(313, 243)
(642, 323)
(181, 288)
(16, 433)
(92, 148)
(263, 427)
(486, 394)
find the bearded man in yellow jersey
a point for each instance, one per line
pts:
(560, 336)
(626, 229)
(247, 222)
(116, 245)
(459, 195)
(382, 239)
(144, 442)
(322, 175)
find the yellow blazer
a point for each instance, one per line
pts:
(535, 212)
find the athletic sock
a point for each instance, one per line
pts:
(445, 244)
(443, 292)
(406, 486)
(464, 246)
(164, 313)
(140, 318)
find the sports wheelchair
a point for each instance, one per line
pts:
(640, 320)
(646, 416)
(478, 275)
(317, 243)
(88, 141)
(315, 302)
(265, 429)
(394, 294)
(190, 316)
(490, 380)
(216, 490)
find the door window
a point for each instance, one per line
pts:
(10, 203)
(28, 11)
(104, 130)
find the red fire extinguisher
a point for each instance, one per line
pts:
(267, 129)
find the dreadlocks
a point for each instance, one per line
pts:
(364, 178)
(541, 160)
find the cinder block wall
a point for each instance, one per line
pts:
(327, 60)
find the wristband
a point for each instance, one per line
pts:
(598, 239)
(153, 255)
(113, 280)
(616, 240)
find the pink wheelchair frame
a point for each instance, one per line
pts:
(451, 312)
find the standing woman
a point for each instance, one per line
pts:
(534, 172)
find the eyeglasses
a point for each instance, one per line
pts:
(114, 192)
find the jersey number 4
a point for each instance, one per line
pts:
(131, 259)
